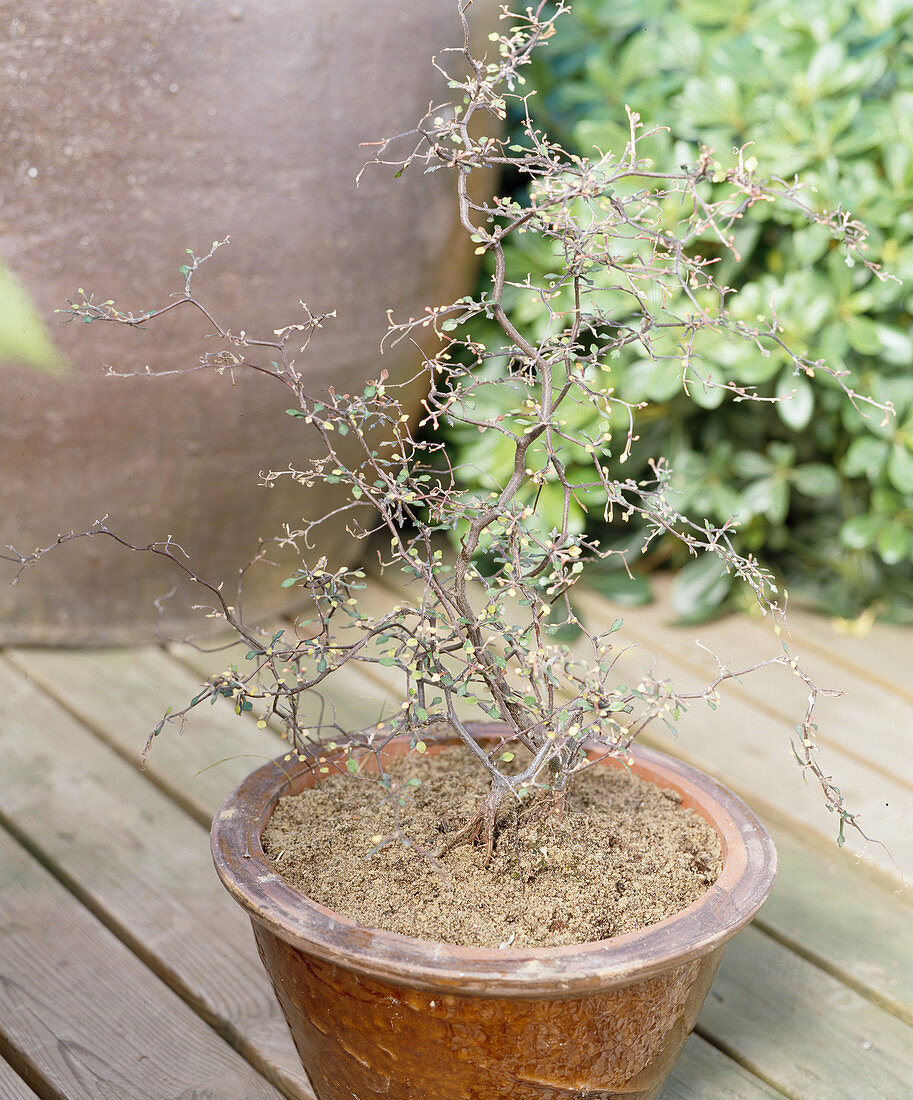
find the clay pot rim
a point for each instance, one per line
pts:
(749, 870)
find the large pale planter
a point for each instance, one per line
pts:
(134, 130)
(375, 1014)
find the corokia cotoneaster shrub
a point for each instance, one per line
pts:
(632, 291)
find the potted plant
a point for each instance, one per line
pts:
(540, 1010)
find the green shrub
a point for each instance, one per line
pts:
(819, 90)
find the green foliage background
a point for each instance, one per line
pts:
(822, 90)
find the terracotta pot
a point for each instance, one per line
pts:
(135, 129)
(375, 1014)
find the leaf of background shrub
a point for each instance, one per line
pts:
(866, 456)
(894, 543)
(896, 346)
(767, 497)
(900, 468)
(700, 589)
(617, 586)
(864, 335)
(24, 339)
(859, 532)
(816, 480)
(797, 401)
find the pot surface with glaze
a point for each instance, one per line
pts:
(378, 1014)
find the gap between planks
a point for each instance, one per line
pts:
(12, 1085)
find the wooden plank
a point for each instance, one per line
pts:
(783, 992)
(825, 908)
(868, 723)
(121, 694)
(12, 1087)
(88, 1016)
(880, 652)
(359, 693)
(807, 1034)
(859, 746)
(734, 747)
(705, 1073)
(142, 865)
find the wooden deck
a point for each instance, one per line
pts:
(127, 972)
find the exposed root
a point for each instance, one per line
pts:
(558, 801)
(480, 829)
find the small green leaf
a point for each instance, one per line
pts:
(866, 455)
(768, 497)
(864, 335)
(565, 631)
